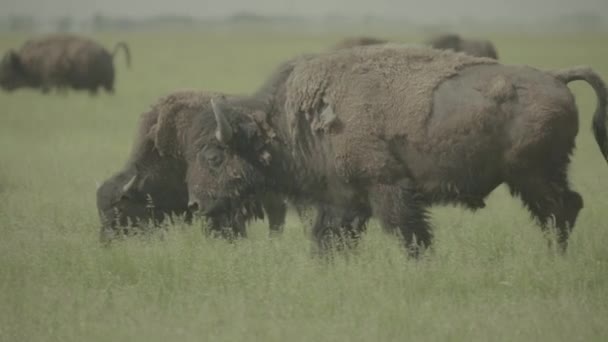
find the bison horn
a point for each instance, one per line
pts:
(223, 132)
(129, 184)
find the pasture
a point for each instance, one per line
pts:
(490, 277)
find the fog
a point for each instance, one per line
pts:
(419, 11)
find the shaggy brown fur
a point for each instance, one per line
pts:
(391, 81)
(61, 61)
(398, 129)
(473, 47)
(357, 41)
(153, 182)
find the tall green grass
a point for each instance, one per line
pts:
(489, 278)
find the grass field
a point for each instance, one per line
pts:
(490, 278)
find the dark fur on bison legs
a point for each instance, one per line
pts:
(549, 197)
(221, 228)
(401, 209)
(276, 210)
(338, 228)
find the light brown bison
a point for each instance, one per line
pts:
(152, 184)
(389, 131)
(60, 61)
(473, 47)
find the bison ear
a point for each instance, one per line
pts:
(223, 132)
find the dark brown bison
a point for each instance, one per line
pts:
(473, 47)
(389, 131)
(152, 185)
(358, 41)
(60, 61)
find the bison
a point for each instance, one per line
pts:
(358, 41)
(152, 186)
(60, 61)
(388, 131)
(473, 47)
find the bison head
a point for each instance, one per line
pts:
(12, 71)
(447, 42)
(136, 198)
(224, 165)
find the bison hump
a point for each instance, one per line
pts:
(499, 89)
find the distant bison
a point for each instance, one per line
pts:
(473, 47)
(358, 41)
(60, 61)
(391, 130)
(152, 184)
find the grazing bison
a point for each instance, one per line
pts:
(152, 183)
(358, 41)
(389, 131)
(61, 61)
(478, 48)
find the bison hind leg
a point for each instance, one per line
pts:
(108, 84)
(550, 199)
(402, 210)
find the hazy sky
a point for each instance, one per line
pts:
(422, 10)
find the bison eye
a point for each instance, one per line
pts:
(215, 160)
(213, 156)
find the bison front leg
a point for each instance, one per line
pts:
(338, 227)
(401, 209)
(228, 229)
(306, 214)
(276, 210)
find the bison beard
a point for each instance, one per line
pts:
(391, 130)
(227, 218)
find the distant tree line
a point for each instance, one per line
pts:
(582, 21)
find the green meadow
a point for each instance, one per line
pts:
(490, 277)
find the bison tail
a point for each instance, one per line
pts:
(583, 73)
(124, 47)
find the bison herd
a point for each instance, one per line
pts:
(368, 128)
